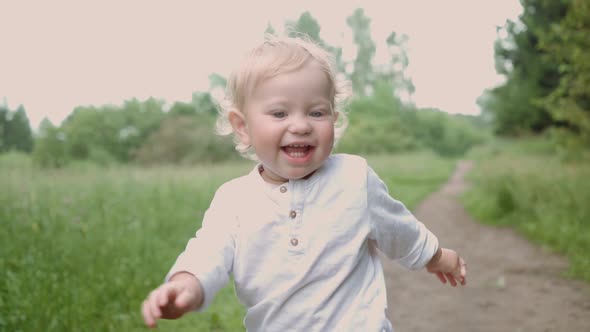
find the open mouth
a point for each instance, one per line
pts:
(297, 150)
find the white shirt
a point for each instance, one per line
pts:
(300, 253)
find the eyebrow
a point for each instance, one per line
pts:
(282, 102)
(275, 103)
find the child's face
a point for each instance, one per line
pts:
(289, 122)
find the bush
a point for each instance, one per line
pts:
(380, 123)
(185, 140)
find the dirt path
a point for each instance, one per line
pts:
(511, 286)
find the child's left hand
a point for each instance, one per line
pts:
(448, 266)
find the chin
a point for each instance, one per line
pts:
(301, 175)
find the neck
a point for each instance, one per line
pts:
(268, 178)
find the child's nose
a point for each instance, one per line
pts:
(300, 125)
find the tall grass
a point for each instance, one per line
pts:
(82, 247)
(526, 186)
(411, 176)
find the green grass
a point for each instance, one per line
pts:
(524, 185)
(410, 177)
(82, 247)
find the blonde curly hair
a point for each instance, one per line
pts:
(275, 56)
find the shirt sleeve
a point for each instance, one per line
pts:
(399, 235)
(209, 255)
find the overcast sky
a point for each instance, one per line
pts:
(55, 55)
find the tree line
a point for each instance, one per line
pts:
(545, 57)
(15, 130)
(143, 132)
(382, 117)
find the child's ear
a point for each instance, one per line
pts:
(239, 125)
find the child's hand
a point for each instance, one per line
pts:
(173, 299)
(448, 266)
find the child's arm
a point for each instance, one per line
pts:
(448, 266)
(181, 294)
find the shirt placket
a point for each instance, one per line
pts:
(296, 242)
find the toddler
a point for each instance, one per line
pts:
(298, 231)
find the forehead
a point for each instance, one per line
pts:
(310, 82)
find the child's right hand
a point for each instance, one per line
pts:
(173, 299)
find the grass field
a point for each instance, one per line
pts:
(526, 186)
(81, 247)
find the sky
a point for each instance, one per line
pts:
(56, 55)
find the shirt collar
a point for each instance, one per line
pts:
(271, 191)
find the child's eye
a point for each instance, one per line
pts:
(317, 114)
(279, 114)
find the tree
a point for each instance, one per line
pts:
(362, 75)
(270, 30)
(3, 119)
(15, 130)
(20, 136)
(203, 103)
(185, 139)
(306, 25)
(530, 75)
(49, 150)
(217, 85)
(90, 128)
(111, 132)
(568, 44)
(395, 72)
(171, 143)
(141, 119)
(217, 81)
(182, 109)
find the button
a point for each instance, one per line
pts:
(294, 242)
(283, 189)
(292, 214)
